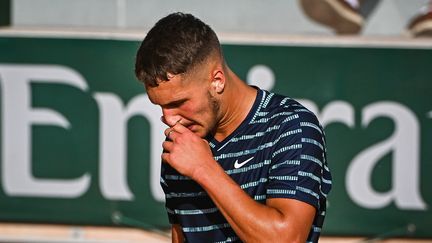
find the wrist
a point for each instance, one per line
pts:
(205, 171)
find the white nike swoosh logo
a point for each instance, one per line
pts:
(238, 165)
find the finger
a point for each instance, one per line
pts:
(165, 157)
(167, 146)
(169, 134)
(171, 128)
(167, 131)
(172, 134)
(178, 127)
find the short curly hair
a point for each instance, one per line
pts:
(176, 44)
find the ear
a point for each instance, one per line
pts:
(218, 81)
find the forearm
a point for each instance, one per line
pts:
(280, 219)
(252, 221)
(176, 234)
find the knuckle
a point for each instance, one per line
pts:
(179, 139)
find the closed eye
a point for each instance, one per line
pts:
(174, 104)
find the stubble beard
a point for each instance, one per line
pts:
(214, 107)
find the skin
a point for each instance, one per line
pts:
(205, 101)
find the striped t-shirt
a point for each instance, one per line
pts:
(278, 151)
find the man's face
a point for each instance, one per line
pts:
(187, 98)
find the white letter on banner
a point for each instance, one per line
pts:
(19, 116)
(113, 132)
(310, 105)
(338, 111)
(404, 143)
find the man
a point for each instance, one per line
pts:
(239, 163)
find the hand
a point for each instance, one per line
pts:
(186, 152)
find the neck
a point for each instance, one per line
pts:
(237, 101)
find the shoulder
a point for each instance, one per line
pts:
(287, 111)
(295, 128)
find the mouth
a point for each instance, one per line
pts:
(193, 127)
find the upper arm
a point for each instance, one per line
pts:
(297, 216)
(299, 179)
(298, 164)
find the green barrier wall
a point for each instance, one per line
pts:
(5, 12)
(80, 142)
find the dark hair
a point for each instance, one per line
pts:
(174, 45)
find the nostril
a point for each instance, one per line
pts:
(167, 121)
(162, 118)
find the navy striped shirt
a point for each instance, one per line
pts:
(278, 151)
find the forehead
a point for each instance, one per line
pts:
(170, 91)
(181, 86)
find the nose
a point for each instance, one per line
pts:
(170, 117)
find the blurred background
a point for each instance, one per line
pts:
(385, 17)
(80, 142)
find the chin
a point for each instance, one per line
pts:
(199, 130)
(200, 133)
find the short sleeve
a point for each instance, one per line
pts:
(298, 161)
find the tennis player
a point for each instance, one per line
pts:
(239, 163)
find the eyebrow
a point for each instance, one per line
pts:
(174, 103)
